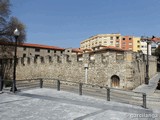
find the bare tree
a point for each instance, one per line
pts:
(7, 25)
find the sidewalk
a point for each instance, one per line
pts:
(50, 104)
(151, 87)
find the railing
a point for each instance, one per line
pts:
(110, 94)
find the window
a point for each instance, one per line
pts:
(54, 51)
(37, 50)
(111, 38)
(130, 38)
(48, 51)
(117, 42)
(24, 55)
(36, 56)
(123, 39)
(117, 37)
(138, 46)
(111, 42)
(138, 41)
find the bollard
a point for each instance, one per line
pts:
(144, 100)
(0, 84)
(80, 88)
(58, 85)
(108, 94)
(41, 83)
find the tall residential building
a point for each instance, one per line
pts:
(136, 44)
(127, 42)
(144, 48)
(117, 41)
(102, 39)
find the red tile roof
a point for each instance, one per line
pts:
(34, 46)
(77, 50)
(156, 39)
(40, 46)
(109, 48)
(113, 48)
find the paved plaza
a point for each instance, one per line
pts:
(50, 104)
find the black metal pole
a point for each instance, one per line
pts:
(58, 85)
(147, 65)
(14, 66)
(144, 100)
(80, 88)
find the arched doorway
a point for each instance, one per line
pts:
(115, 81)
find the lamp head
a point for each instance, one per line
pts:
(16, 32)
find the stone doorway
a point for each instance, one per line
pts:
(115, 81)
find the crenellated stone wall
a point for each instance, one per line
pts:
(128, 66)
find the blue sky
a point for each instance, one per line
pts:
(65, 23)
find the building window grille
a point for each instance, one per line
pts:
(37, 50)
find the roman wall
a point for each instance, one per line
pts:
(101, 67)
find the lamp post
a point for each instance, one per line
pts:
(148, 41)
(16, 35)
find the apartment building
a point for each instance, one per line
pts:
(143, 48)
(115, 40)
(102, 39)
(127, 42)
(136, 44)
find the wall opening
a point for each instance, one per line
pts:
(115, 81)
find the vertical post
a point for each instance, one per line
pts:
(41, 83)
(147, 65)
(108, 94)
(0, 84)
(58, 85)
(144, 100)
(14, 66)
(80, 88)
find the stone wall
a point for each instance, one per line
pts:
(128, 66)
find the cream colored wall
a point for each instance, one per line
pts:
(100, 39)
(136, 44)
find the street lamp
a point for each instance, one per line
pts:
(16, 35)
(148, 41)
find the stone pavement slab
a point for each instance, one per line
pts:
(50, 104)
(151, 87)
